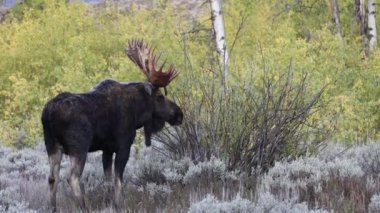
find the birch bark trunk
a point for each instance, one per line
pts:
(336, 17)
(372, 35)
(361, 18)
(219, 36)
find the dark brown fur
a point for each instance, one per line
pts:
(106, 119)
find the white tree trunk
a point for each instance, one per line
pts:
(361, 16)
(220, 36)
(336, 17)
(372, 35)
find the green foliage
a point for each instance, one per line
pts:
(301, 31)
(19, 10)
(66, 47)
(51, 46)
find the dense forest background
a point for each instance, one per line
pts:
(52, 46)
(302, 87)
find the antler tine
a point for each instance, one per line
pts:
(159, 56)
(143, 56)
(162, 66)
(173, 72)
(135, 52)
(151, 63)
(156, 61)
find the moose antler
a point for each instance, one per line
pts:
(143, 56)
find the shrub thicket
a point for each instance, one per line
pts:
(249, 124)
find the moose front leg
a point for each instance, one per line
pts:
(121, 160)
(107, 165)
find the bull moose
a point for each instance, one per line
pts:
(106, 118)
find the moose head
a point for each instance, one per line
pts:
(164, 110)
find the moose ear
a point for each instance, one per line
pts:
(148, 88)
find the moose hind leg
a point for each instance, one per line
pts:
(77, 165)
(55, 164)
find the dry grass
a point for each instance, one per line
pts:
(154, 183)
